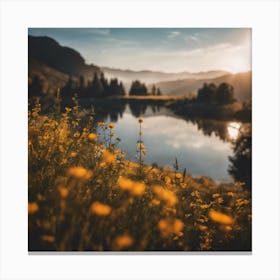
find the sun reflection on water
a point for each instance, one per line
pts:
(233, 129)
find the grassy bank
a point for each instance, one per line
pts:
(84, 195)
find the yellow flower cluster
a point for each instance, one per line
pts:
(79, 173)
(108, 156)
(170, 227)
(133, 187)
(112, 204)
(165, 195)
(195, 193)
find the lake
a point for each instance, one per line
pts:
(201, 146)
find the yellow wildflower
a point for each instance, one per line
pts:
(179, 176)
(225, 228)
(73, 154)
(215, 195)
(202, 227)
(140, 146)
(220, 217)
(108, 156)
(76, 134)
(138, 188)
(100, 209)
(135, 188)
(166, 195)
(125, 184)
(177, 226)
(111, 125)
(183, 185)
(230, 194)
(168, 227)
(63, 192)
(101, 123)
(195, 193)
(48, 238)
(167, 180)
(92, 137)
(155, 202)
(79, 173)
(35, 114)
(123, 241)
(163, 225)
(32, 208)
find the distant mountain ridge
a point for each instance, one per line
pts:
(148, 77)
(54, 63)
(241, 82)
(64, 59)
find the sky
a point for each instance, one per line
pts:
(158, 49)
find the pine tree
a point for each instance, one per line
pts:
(97, 88)
(154, 90)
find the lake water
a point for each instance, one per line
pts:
(200, 146)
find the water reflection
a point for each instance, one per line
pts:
(137, 110)
(233, 130)
(166, 137)
(114, 112)
(213, 148)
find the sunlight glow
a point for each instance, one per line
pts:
(233, 130)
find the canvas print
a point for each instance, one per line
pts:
(139, 139)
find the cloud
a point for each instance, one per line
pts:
(179, 134)
(193, 38)
(99, 31)
(173, 34)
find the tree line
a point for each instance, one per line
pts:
(98, 87)
(212, 94)
(138, 88)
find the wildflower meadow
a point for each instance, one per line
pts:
(84, 195)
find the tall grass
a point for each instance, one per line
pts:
(84, 195)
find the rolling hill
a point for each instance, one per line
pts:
(149, 77)
(242, 83)
(54, 64)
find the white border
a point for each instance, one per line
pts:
(17, 16)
